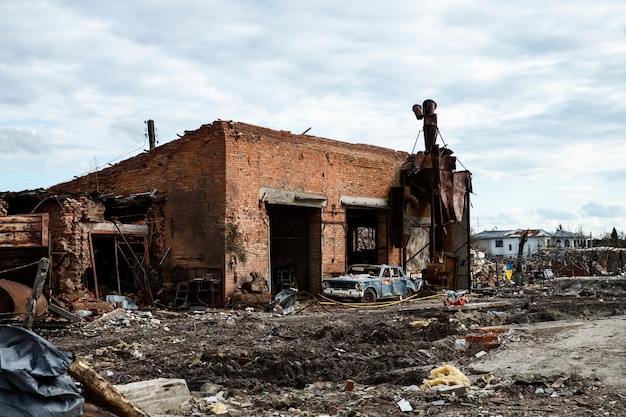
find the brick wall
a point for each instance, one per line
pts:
(260, 157)
(213, 218)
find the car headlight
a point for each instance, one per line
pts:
(357, 286)
(324, 284)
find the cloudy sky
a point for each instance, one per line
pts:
(531, 95)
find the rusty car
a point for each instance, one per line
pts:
(370, 282)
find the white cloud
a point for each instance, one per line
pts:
(531, 94)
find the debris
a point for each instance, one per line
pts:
(121, 301)
(105, 318)
(103, 391)
(349, 385)
(451, 389)
(405, 406)
(284, 301)
(63, 313)
(460, 344)
(446, 375)
(486, 339)
(218, 408)
(158, 396)
(244, 358)
(455, 298)
(14, 299)
(40, 279)
(90, 304)
(422, 323)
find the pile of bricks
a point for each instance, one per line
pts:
(484, 339)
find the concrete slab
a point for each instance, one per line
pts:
(158, 396)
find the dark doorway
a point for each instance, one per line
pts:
(294, 246)
(120, 263)
(362, 236)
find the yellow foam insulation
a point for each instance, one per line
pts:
(422, 323)
(446, 375)
(218, 408)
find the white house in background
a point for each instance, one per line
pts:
(564, 239)
(505, 243)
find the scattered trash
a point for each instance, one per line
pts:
(284, 301)
(460, 344)
(446, 375)
(121, 301)
(422, 323)
(218, 408)
(455, 298)
(405, 406)
(349, 385)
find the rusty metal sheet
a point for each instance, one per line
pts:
(14, 299)
(462, 185)
(446, 168)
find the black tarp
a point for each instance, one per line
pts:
(33, 378)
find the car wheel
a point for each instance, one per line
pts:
(369, 296)
(408, 293)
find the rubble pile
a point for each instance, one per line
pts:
(330, 360)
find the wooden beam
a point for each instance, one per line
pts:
(103, 392)
(40, 280)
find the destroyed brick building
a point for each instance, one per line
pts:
(230, 201)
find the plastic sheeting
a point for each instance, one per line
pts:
(286, 299)
(33, 379)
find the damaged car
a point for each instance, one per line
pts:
(368, 283)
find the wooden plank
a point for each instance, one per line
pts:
(104, 392)
(24, 230)
(64, 313)
(42, 273)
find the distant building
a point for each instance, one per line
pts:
(564, 239)
(505, 243)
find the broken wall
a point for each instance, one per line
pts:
(188, 229)
(70, 246)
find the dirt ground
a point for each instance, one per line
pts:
(561, 351)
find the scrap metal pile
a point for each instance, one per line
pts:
(547, 264)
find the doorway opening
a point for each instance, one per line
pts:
(295, 247)
(120, 264)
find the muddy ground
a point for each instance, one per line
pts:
(561, 353)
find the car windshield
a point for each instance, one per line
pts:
(364, 269)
